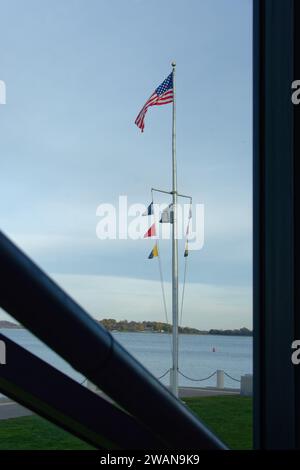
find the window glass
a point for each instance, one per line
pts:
(76, 176)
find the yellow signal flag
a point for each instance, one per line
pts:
(154, 252)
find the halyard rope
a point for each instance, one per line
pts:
(185, 264)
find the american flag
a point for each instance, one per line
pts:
(162, 95)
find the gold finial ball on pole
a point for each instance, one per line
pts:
(173, 63)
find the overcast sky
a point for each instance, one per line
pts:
(77, 73)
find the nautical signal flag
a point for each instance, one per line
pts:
(188, 225)
(154, 252)
(151, 232)
(162, 95)
(186, 251)
(167, 215)
(149, 210)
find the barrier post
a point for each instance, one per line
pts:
(220, 379)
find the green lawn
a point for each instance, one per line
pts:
(35, 433)
(229, 417)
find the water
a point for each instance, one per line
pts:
(232, 354)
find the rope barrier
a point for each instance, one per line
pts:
(197, 380)
(188, 378)
(162, 376)
(230, 377)
(206, 378)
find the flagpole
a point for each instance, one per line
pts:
(174, 370)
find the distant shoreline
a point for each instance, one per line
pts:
(150, 327)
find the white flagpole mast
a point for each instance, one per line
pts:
(174, 370)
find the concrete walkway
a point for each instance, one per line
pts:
(10, 409)
(185, 392)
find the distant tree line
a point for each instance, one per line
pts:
(151, 326)
(240, 332)
(160, 327)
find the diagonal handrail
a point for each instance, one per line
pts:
(50, 393)
(30, 296)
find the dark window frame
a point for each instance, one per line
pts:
(275, 224)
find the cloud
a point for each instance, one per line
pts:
(206, 306)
